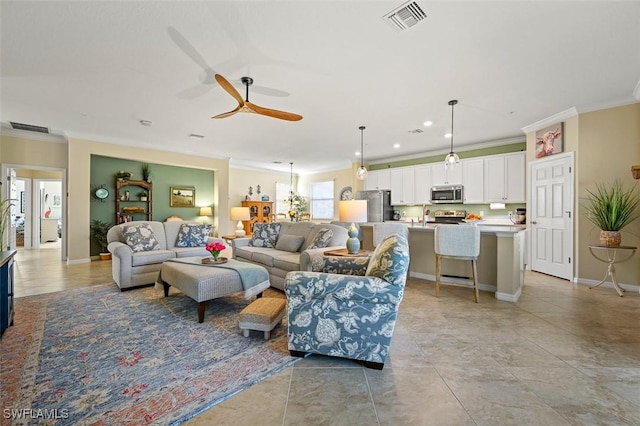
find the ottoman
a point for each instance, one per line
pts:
(262, 314)
(203, 283)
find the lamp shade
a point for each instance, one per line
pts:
(240, 213)
(206, 211)
(352, 210)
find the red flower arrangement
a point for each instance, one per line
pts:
(215, 248)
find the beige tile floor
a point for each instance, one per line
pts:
(562, 355)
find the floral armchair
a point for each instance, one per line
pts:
(348, 306)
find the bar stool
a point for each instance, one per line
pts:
(457, 242)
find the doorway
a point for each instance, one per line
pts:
(552, 215)
(39, 221)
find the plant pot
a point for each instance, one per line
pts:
(105, 256)
(610, 238)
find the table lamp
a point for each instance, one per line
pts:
(353, 211)
(205, 211)
(240, 214)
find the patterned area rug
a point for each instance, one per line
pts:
(97, 355)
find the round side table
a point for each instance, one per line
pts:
(611, 253)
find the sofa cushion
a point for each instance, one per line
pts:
(265, 235)
(192, 235)
(140, 237)
(265, 256)
(290, 243)
(321, 239)
(390, 260)
(287, 262)
(151, 257)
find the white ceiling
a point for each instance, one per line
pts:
(95, 69)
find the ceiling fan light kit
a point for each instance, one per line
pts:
(361, 173)
(452, 159)
(245, 106)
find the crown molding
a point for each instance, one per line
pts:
(608, 105)
(444, 151)
(561, 116)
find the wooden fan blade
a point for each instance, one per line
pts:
(282, 115)
(229, 88)
(229, 113)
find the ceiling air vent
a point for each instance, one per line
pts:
(29, 127)
(416, 131)
(405, 16)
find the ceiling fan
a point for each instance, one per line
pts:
(245, 106)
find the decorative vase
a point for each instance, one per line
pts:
(215, 255)
(610, 238)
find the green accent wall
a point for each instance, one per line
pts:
(163, 178)
(504, 149)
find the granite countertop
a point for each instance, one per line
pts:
(485, 228)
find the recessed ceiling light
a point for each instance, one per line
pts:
(396, 145)
(357, 153)
(447, 135)
(428, 123)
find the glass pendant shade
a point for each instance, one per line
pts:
(361, 173)
(451, 160)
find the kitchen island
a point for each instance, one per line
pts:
(500, 264)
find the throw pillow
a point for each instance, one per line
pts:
(140, 237)
(193, 235)
(322, 239)
(289, 243)
(265, 235)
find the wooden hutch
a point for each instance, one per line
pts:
(129, 206)
(259, 211)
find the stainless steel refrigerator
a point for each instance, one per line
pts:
(378, 204)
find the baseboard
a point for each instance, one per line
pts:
(79, 261)
(607, 284)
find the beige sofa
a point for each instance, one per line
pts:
(135, 265)
(283, 258)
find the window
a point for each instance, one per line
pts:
(282, 193)
(322, 200)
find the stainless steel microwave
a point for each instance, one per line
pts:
(446, 194)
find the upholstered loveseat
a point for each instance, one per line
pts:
(349, 307)
(138, 248)
(288, 246)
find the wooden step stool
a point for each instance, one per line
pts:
(263, 314)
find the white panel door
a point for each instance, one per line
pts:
(551, 215)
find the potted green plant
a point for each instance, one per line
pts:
(611, 208)
(143, 195)
(98, 230)
(146, 172)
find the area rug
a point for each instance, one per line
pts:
(97, 355)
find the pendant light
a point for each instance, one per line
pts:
(361, 174)
(452, 159)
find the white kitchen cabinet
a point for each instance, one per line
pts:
(402, 186)
(378, 179)
(446, 176)
(423, 184)
(505, 178)
(473, 181)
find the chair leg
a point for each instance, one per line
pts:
(438, 259)
(474, 275)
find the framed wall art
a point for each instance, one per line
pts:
(549, 140)
(182, 197)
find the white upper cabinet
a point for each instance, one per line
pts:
(505, 178)
(443, 176)
(473, 181)
(423, 184)
(378, 179)
(402, 186)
